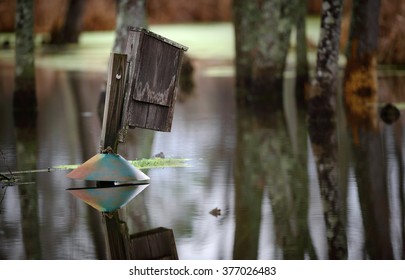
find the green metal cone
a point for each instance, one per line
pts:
(108, 167)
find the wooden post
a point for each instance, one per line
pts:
(118, 239)
(114, 101)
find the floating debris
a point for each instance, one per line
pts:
(215, 212)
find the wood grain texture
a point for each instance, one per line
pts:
(114, 101)
(153, 80)
(155, 244)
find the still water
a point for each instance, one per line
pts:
(261, 174)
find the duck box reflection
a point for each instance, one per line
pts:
(108, 199)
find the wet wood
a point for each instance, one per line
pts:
(118, 238)
(155, 244)
(114, 101)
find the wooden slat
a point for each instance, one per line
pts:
(158, 117)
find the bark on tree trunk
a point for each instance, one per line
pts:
(322, 99)
(322, 127)
(24, 95)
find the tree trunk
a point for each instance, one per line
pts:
(323, 96)
(72, 25)
(360, 81)
(129, 13)
(24, 95)
(74, 21)
(262, 34)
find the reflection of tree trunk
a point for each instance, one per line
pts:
(26, 159)
(249, 183)
(24, 95)
(371, 176)
(265, 157)
(288, 190)
(332, 199)
(401, 179)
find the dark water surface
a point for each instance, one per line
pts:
(261, 174)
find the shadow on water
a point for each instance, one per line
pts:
(260, 167)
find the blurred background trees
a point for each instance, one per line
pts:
(261, 49)
(25, 102)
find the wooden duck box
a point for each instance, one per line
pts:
(154, 69)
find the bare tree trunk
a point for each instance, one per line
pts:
(72, 26)
(74, 21)
(262, 33)
(24, 95)
(322, 99)
(129, 13)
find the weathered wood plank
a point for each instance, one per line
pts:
(158, 117)
(155, 244)
(156, 80)
(114, 101)
(138, 114)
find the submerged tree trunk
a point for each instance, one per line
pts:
(129, 13)
(322, 128)
(24, 95)
(262, 34)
